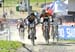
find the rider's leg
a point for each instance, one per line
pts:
(52, 32)
(28, 33)
(49, 31)
(35, 33)
(43, 29)
(23, 32)
(57, 36)
(56, 32)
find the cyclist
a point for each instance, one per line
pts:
(30, 20)
(45, 17)
(57, 20)
(21, 27)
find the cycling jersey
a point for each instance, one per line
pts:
(21, 25)
(31, 20)
(46, 19)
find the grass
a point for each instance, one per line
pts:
(6, 46)
(41, 0)
(68, 40)
(10, 2)
(14, 2)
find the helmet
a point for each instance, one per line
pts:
(32, 14)
(20, 20)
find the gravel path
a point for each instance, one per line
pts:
(59, 47)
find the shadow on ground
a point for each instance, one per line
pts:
(56, 44)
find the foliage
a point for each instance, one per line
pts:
(15, 2)
(41, 0)
(6, 46)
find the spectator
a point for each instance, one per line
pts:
(4, 14)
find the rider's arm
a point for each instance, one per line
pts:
(41, 20)
(27, 22)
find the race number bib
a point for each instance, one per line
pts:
(45, 23)
(31, 25)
